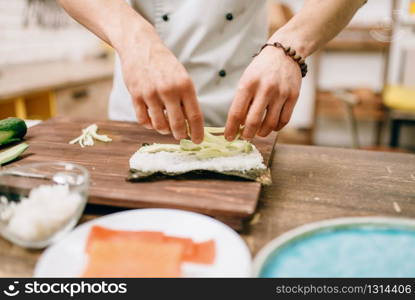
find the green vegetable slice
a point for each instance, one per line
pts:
(12, 130)
(213, 145)
(12, 153)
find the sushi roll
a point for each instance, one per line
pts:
(215, 155)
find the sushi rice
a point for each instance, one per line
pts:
(179, 163)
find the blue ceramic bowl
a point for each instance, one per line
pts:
(347, 247)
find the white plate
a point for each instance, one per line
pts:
(67, 258)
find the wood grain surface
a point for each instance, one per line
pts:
(108, 164)
(317, 183)
(309, 184)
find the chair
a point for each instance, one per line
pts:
(400, 101)
(399, 97)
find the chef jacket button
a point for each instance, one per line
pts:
(222, 73)
(229, 16)
(165, 17)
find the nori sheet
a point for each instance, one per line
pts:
(262, 176)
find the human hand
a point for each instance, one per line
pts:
(162, 91)
(266, 95)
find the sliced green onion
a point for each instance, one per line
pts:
(88, 135)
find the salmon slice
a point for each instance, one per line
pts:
(133, 258)
(123, 253)
(204, 253)
(187, 243)
(99, 233)
(201, 253)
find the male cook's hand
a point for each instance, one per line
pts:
(266, 95)
(159, 83)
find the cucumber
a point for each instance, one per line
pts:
(12, 153)
(12, 130)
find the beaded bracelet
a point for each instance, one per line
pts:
(291, 53)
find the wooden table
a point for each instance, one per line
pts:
(310, 184)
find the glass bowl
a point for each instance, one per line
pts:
(41, 202)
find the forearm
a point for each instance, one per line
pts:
(161, 90)
(114, 21)
(316, 24)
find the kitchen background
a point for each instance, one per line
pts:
(360, 91)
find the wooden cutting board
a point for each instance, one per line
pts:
(108, 163)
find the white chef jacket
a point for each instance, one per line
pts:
(213, 39)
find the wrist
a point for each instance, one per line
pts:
(289, 53)
(142, 37)
(302, 45)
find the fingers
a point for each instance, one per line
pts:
(176, 119)
(278, 114)
(286, 112)
(156, 113)
(142, 113)
(273, 114)
(181, 103)
(193, 115)
(265, 95)
(237, 112)
(271, 118)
